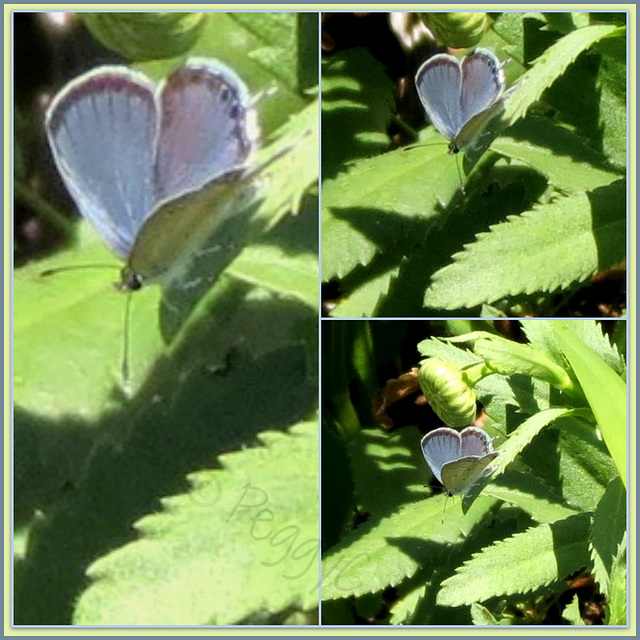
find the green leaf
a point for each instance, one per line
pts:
(561, 156)
(531, 494)
(542, 250)
(481, 616)
(387, 469)
(357, 102)
(246, 535)
(285, 275)
(69, 334)
(383, 553)
(509, 566)
(283, 36)
(524, 434)
(616, 605)
(612, 81)
(195, 406)
(551, 65)
(364, 300)
(608, 531)
(582, 463)
(606, 393)
(510, 358)
(147, 35)
(381, 203)
(404, 607)
(572, 612)
(542, 336)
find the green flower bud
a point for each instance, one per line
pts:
(448, 392)
(146, 36)
(456, 30)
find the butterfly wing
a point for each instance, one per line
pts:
(474, 442)
(102, 130)
(439, 447)
(482, 83)
(205, 131)
(179, 227)
(438, 84)
(460, 475)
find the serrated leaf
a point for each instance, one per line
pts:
(530, 494)
(572, 612)
(551, 65)
(509, 566)
(245, 535)
(387, 469)
(557, 153)
(381, 203)
(584, 465)
(481, 616)
(608, 531)
(542, 250)
(274, 269)
(194, 407)
(606, 393)
(404, 607)
(524, 434)
(364, 299)
(382, 553)
(297, 170)
(616, 605)
(612, 82)
(542, 335)
(357, 99)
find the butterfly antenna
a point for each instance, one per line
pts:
(126, 350)
(76, 267)
(444, 505)
(459, 173)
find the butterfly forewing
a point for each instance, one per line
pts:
(439, 447)
(482, 83)
(204, 132)
(102, 131)
(438, 83)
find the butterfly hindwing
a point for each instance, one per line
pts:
(460, 475)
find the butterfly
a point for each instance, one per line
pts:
(458, 460)
(460, 97)
(154, 168)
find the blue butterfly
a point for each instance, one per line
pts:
(153, 168)
(461, 96)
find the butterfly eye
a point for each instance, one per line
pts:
(448, 393)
